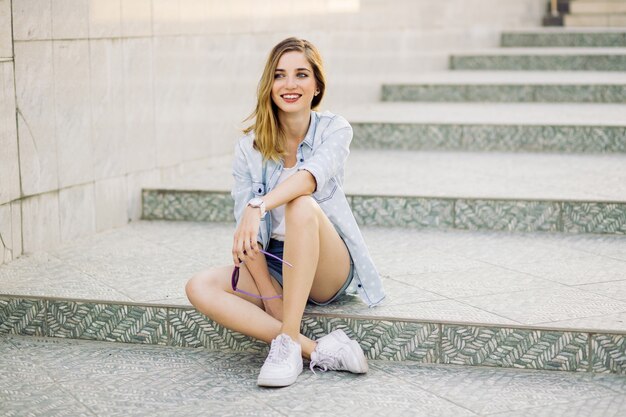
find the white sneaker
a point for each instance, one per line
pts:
(283, 364)
(337, 352)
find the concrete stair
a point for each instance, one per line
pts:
(507, 87)
(564, 37)
(498, 229)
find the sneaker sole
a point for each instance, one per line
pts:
(278, 382)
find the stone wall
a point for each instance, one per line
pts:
(99, 98)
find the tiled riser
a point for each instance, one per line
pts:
(507, 93)
(540, 62)
(464, 214)
(380, 339)
(498, 138)
(556, 40)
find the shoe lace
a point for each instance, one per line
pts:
(279, 350)
(326, 360)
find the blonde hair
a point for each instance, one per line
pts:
(269, 138)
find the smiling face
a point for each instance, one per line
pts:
(294, 84)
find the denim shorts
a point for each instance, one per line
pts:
(275, 247)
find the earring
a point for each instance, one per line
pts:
(317, 92)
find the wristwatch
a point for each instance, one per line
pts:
(258, 203)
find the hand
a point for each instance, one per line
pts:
(244, 241)
(274, 308)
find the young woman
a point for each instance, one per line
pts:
(296, 238)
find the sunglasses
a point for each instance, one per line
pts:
(234, 279)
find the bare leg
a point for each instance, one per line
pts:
(210, 292)
(320, 260)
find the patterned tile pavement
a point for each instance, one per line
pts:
(59, 377)
(442, 287)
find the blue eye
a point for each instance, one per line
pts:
(278, 75)
(302, 74)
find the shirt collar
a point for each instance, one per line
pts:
(310, 134)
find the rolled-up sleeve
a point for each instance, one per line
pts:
(242, 190)
(329, 158)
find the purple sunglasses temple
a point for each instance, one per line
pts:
(265, 298)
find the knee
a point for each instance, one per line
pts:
(204, 284)
(303, 209)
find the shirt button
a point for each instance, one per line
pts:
(301, 160)
(259, 190)
(360, 285)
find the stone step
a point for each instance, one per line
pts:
(502, 86)
(104, 379)
(595, 20)
(553, 302)
(443, 190)
(535, 127)
(541, 59)
(569, 37)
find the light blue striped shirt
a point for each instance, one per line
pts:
(323, 153)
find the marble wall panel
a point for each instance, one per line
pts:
(9, 163)
(110, 198)
(135, 183)
(77, 211)
(34, 79)
(139, 136)
(10, 231)
(70, 19)
(136, 17)
(16, 228)
(105, 20)
(6, 234)
(6, 36)
(170, 81)
(166, 17)
(40, 220)
(107, 107)
(73, 112)
(32, 19)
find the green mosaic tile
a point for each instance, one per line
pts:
(608, 353)
(556, 40)
(190, 328)
(511, 216)
(514, 348)
(506, 93)
(187, 205)
(594, 218)
(107, 322)
(22, 316)
(403, 211)
(539, 62)
(381, 339)
(406, 136)
(502, 138)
